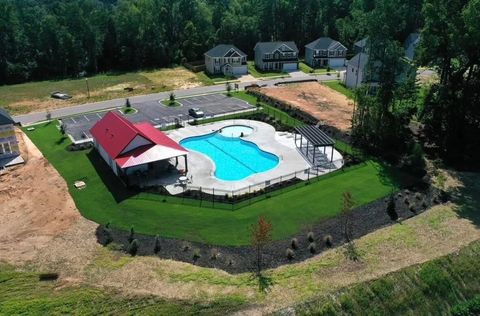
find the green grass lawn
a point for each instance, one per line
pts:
(169, 103)
(263, 74)
(308, 70)
(21, 293)
(209, 79)
(338, 86)
(106, 200)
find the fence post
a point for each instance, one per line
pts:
(249, 195)
(308, 174)
(233, 200)
(200, 196)
(213, 198)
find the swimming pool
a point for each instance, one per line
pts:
(234, 158)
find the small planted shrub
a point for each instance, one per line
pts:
(412, 209)
(186, 247)
(230, 262)
(133, 248)
(310, 237)
(289, 253)
(328, 240)
(406, 201)
(418, 196)
(214, 254)
(131, 235)
(294, 243)
(391, 211)
(196, 254)
(312, 247)
(157, 247)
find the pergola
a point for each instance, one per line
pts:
(314, 138)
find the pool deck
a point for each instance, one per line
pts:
(201, 168)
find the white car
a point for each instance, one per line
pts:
(60, 95)
(195, 112)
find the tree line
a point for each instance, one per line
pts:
(46, 39)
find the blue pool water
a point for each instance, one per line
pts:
(234, 158)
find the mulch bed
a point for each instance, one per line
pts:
(364, 219)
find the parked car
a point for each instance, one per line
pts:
(60, 95)
(195, 112)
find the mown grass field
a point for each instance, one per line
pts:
(106, 200)
(338, 86)
(35, 96)
(432, 288)
(21, 293)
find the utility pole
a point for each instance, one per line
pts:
(88, 89)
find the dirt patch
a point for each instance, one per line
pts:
(327, 105)
(35, 205)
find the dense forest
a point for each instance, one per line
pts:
(46, 39)
(43, 39)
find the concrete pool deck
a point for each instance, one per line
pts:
(292, 163)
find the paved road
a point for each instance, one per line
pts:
(102, 105)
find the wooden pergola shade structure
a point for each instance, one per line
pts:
(315, 138)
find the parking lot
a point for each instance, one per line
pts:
(160, 115)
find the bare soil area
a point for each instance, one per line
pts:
(35, 205)
(325, 104)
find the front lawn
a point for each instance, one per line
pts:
(340, 87)
(263, 74)
(106, 200)
(208, 79)
(309, 70)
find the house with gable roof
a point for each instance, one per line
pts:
(276, 56)
(325, 52)
(226, 59)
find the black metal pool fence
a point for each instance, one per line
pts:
(241, 197)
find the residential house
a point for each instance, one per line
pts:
(410, 45)
(355, 74)
(9, 150)
(135, 152)
(361, 46)
(325, 52)
(227, 60)
(276, 56)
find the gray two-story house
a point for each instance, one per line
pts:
(226, 59)
(356, 74)
(325, 52)
(276, 56)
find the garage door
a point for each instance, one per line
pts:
(290, 66)
(241, 70)
(337, 62)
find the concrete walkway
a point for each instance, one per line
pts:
(292, 163)
(32, 118)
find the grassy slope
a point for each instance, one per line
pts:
(336, 85)
(433, 287)
(288, 212)
(19, 98)
(22, 293)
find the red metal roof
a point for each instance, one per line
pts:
(114, 133)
